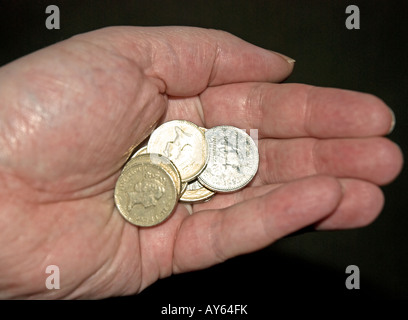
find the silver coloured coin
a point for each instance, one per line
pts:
(233, 159)
(184, 144)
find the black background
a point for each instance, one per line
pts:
(372, 59)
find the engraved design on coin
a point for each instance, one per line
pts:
(145, 194)
(233, 159)
(179, 146)
(160, 160)
(184, 144)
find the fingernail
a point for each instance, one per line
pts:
(392, 121)
(288, 59)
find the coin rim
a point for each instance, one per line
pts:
(142, 150)
(197, 199)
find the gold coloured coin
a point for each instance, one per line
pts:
(196, 192)
(145, 193)
(184, 143)
(162, 161)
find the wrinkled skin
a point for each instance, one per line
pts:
(72, 113)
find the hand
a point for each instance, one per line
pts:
(72, 113)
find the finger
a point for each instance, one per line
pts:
(375, 159)
(295, 110)
(213, 236)
(361, 204)
(224, 200)
(187, 60)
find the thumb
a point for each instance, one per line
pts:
(187, 60)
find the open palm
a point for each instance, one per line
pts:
(72, 113)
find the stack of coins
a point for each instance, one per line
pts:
(187, 163)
